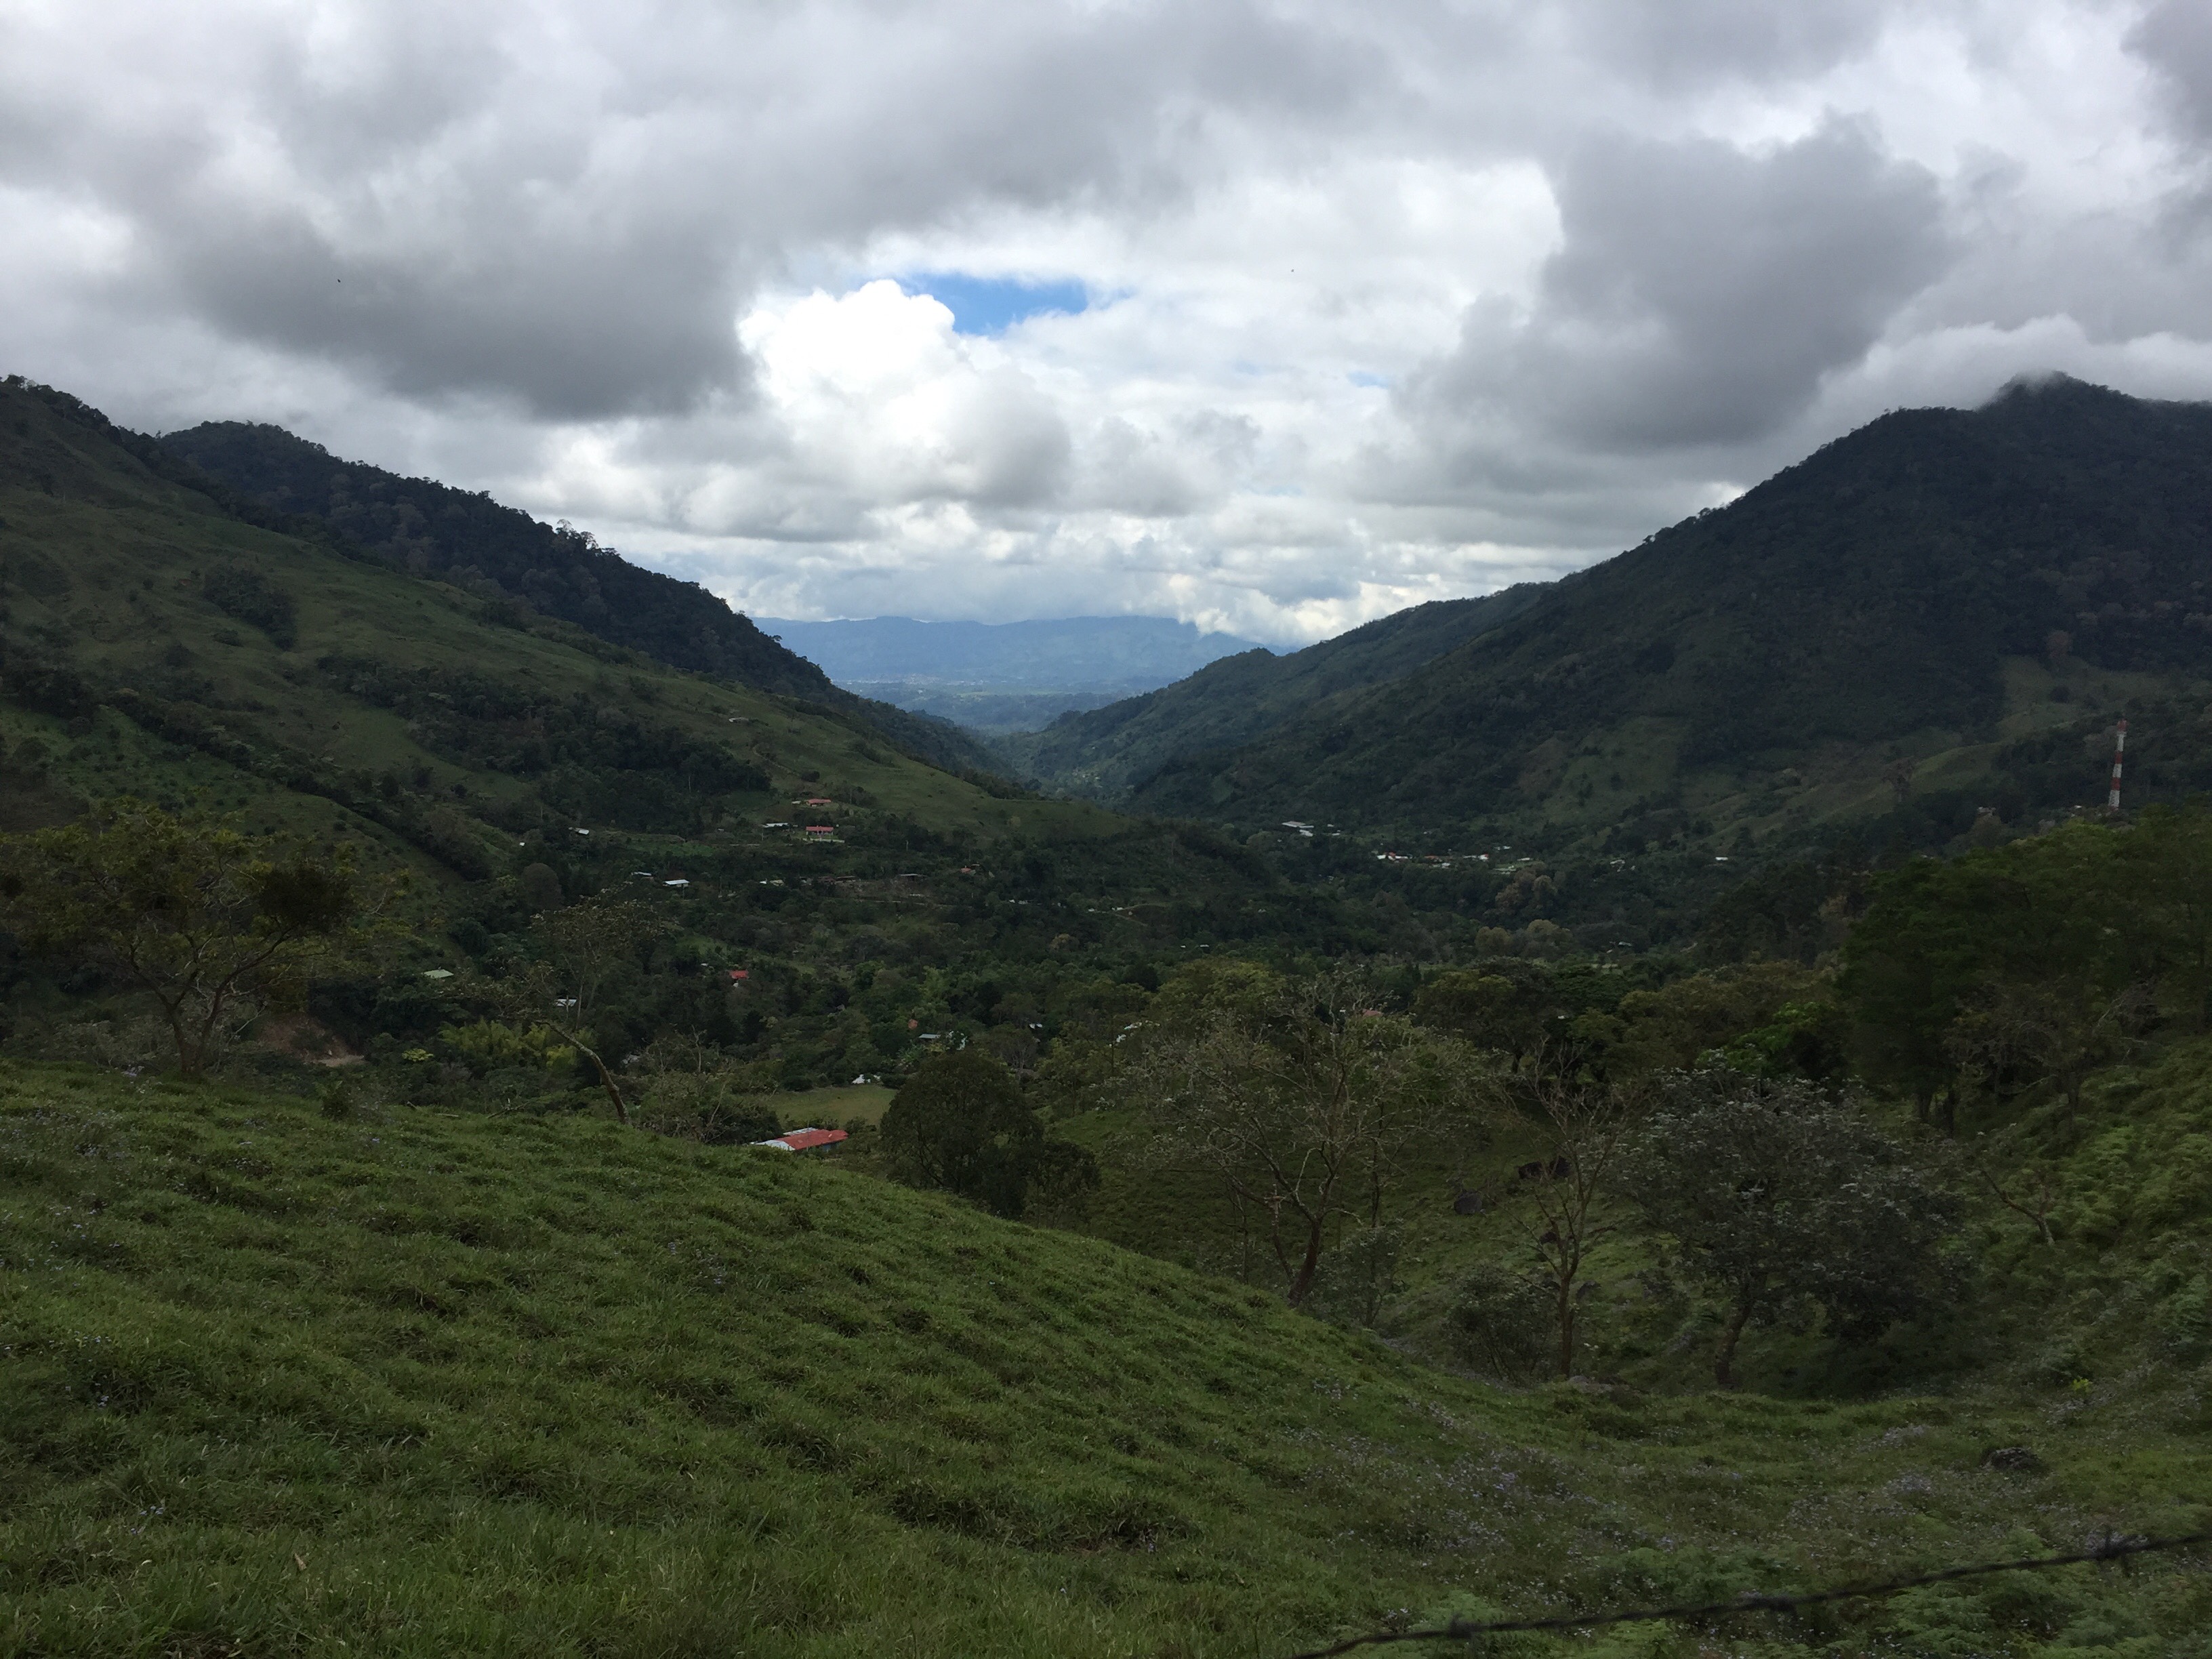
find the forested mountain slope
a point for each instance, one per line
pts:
(157, 642)
(1105, 752)
(1938, 580)
(154, 639)
(499, 553)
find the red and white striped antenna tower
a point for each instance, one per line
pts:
(2119, 748)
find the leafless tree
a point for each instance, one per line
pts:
(1569, 1193)
(579, 950)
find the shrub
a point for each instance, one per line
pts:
(1501, 1323)
(487, 1045)
(238, 591)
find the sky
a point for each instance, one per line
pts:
(1274, 317)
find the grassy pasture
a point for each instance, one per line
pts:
(429, 1382)
(832, 1109)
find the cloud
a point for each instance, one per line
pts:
(877, 399)
(1701, 291)
(1680, 44)
(569, 205)
(2174, 37)
(1265, 313)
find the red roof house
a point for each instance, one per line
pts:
(800, 1140)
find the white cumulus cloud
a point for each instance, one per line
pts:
(1371, 306)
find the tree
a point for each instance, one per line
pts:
(2031, 1192)
(2164, 877)
(1510, 1008)
(1571, 1190)
(1906, 966)
(1899, 775)
(1671, 1027)
(2012, 1035)
(2031, 963)
(960, 1125)
(215, 924)
(1785, 1200)
(1301, 1099)
(579, 950)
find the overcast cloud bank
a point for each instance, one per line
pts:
(1373, 308)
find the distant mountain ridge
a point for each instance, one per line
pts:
(467, 538)
(1938, 582)
(1120, 655)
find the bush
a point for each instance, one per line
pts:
(237, 591)
(1501, 1323)
(713, 1119)
(487, 1046)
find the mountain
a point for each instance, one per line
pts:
(1005, 676)
(506, 556)
(1072, 654)
(162, 634)
(1104, 753)
(1904, 609)
(993, 715)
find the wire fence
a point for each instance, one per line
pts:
(2111, 1547)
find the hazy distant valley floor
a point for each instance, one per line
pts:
(988, 711)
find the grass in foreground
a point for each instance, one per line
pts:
(426, 1383)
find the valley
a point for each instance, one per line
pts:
(1646, 1087)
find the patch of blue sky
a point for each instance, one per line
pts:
(991, 305)
(1361, 377)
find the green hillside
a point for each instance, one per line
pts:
(152, 640)
(1914, 595)
(509, 558)
(416, 1381)
(428, 1355)
(166, 639)
(1104, 753)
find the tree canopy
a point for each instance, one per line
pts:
(1302, 1098)
(216, 924)
(960, 1124)
(1785, 1200)
(2031, 964)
